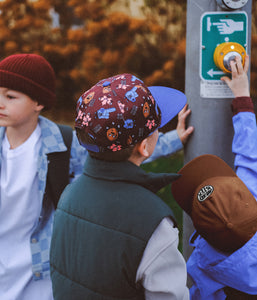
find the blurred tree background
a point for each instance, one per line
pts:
(87, 40)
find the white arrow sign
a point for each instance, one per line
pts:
(211, 72)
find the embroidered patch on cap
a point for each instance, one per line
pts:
(205, 192)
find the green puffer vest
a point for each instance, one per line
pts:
(102, 225)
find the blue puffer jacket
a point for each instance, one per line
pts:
(211, 270)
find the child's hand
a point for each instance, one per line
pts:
(239, 83)
(182, 131)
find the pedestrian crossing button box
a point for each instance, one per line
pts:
(223, 36)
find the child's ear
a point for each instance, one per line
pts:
(142, 148)
(39, 107)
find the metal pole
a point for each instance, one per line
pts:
(209, 101)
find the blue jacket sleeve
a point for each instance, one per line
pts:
(168, 143)
(77, 158)
(244, 147)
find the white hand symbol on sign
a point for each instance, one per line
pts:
(228, 26)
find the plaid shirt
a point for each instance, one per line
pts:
(52, 141)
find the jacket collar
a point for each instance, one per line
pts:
(128, 172)
(52, 140)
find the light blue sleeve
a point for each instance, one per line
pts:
(168, 143)
(77, 158)
(201, 269)
(244, 147)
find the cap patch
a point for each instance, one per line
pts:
(205, 192)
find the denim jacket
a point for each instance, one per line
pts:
(40, 240)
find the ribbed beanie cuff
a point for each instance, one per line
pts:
(30, 74)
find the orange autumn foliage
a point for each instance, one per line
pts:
(96, 39)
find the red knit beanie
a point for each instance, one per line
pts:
(30, 74)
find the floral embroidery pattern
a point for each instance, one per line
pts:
(150, 124)
(86, 119)
(114, 147)
(106, 100)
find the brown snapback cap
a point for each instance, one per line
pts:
(222, 209)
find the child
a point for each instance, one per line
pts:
(230, 272)
(29, 184)
(224, 214)
(27, 140)
(113, 238)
